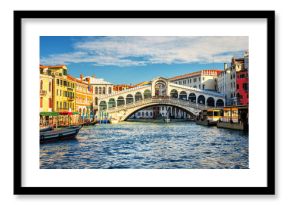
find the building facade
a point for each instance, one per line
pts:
(46, 100)
(242, 87)
(63, 89)
(233, 81)
(204, 79)
(83, 97)
(100, 87)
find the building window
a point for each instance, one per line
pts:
(64, 83)
(96, 90)
(104, 90)
(41, 85)
(50, 103)
(60, 82)
(138, 114)
(100, 90)
(147, 114)
(245, 86)
(57, 104)
(60, 93)
(96, 101)
(110, 90)
(49, 87)
(57, 81)
(41, 99)
(237, 86)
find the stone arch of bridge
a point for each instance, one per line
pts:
(185, 109)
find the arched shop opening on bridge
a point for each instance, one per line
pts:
(201, 100)
(147, 94)
(138, 96)
(220, 103)
(192, 97)
(129, 99)
(174, 93)
(183, 95)
(161, 112)
(120, 101)
(210, 102)
(111, 103)
(103, 105)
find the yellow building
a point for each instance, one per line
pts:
(83, 96)
(63, 89)
(62, 100)
(45, 91)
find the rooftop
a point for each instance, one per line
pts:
(97, 81)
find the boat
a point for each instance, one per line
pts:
(234, 117)
(62, 134)
(47, 128)
(105, 121)
(167, 120)
(208, 117)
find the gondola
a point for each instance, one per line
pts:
(56, 135)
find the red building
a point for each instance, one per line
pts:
(242, 92)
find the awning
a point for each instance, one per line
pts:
(49, 113)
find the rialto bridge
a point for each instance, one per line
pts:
(119, 106)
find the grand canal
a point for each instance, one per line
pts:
(134, 145)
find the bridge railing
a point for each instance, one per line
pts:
(125, 91)
(159, 100)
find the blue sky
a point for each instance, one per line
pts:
(133, 59)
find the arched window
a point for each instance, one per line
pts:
(96, 101)
(129, 99)
(220, 103)
(104, 90)
(110, 90)
(103, 105)
(201, 100)
(112, 103)
(96, 90)
(210, 102)
(192, 97)
(120, 101)
(174, 93)
(100, 90)
(160, 88)
(183, 95)
(138, 96)
(147, 94)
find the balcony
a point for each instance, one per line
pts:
(70, 98)
(43, 92)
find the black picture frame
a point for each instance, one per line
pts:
(268, 190)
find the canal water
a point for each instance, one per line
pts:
(134, 145)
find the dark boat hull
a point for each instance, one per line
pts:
(205, 123)
(56, 135)
(233, 126)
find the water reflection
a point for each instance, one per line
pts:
(149, 146)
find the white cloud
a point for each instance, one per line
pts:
(138, 51)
